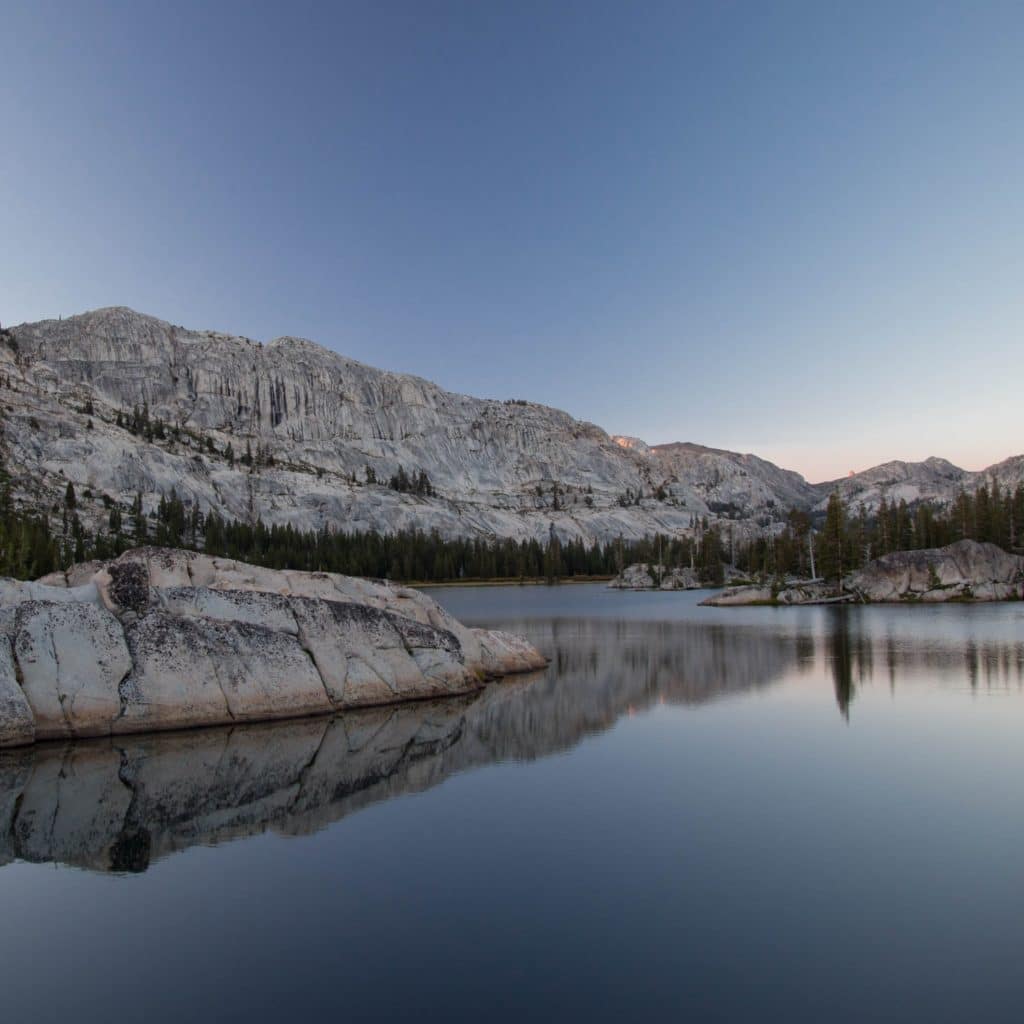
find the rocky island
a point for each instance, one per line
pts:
(964, 571)
(169, 639)
(642, 576)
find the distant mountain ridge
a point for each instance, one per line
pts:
(290, 432)
(933, 480)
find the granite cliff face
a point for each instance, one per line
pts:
(321, 419)
(316, 421)
(732, 484)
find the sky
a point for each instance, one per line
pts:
(795, 229)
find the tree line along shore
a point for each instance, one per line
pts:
(34, 543)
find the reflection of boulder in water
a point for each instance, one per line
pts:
(120, 804)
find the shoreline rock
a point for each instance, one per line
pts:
(163, 639)
(964, 571)
(793, 592)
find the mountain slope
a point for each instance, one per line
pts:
(319, 425)
(497, 468)
(732, 483)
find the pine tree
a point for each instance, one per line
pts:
(833, 540)
(963, 515)
(139, 525)
(1016, 516)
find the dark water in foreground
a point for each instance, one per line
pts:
(721, 814)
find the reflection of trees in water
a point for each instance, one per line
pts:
(840, 663)
(123, 803)
(850, 657)
(991, 664)
(851, 647)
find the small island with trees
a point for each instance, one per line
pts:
(965, 553)
(968, 551)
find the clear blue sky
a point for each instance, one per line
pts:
(794, 229)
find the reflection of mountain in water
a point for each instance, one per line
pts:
(118, 805)
(601, 670)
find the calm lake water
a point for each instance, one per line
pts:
(715, 814)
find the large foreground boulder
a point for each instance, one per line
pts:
(160, 639)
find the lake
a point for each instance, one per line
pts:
(719, 814)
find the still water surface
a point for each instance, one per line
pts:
(722, 814)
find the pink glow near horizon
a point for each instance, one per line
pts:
(818, 466)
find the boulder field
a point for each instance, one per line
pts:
(964, 571)
(166, 639)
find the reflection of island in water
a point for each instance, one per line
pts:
(120, 804)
